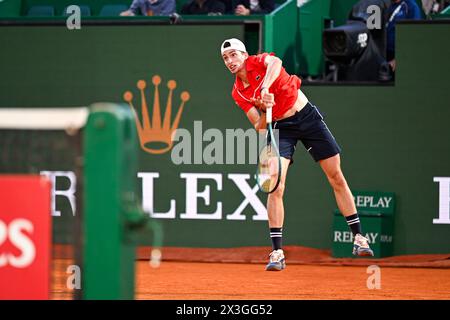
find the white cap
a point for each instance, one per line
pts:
(232, 43)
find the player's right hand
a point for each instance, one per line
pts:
(257, 102)
(268, 99)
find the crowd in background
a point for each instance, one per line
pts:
(208, 7)
(241, 7)
(397, 10)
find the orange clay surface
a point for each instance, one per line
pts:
(236, 281)
(238, 274)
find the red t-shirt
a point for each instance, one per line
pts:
(285, 87)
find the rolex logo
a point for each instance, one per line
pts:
(156, 136)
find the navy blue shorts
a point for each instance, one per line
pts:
(308, 126)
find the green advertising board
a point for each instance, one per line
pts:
(376, 213)
(374, 203)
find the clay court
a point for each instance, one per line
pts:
(311, 274)
(223, 281)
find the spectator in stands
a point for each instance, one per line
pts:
(151, 8)
(209, 7)
(228, 6)
(432, 7)
(399, 10)
(444, 5)
(247, 7)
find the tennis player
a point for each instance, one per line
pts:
(262, 82)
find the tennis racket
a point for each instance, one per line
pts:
(268, 172)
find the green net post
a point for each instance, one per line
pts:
(110, 206)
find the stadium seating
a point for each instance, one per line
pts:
(41, 11)
(110, 10)
(85, 11)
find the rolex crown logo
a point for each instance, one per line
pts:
(156, 136)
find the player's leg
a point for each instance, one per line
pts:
(344, 198)
(320, 143)
(275, 208)
(275, 212)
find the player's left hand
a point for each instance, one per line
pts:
(259, 103)
(267, 100)
(262, 104)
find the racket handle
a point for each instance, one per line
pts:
(269, 115)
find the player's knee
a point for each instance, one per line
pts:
(337, 180)
(279, 191)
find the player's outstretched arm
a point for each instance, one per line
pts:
(274, 65)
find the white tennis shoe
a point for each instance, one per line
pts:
(361, 246)
(276, 261)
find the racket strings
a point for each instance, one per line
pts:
(268, 169)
